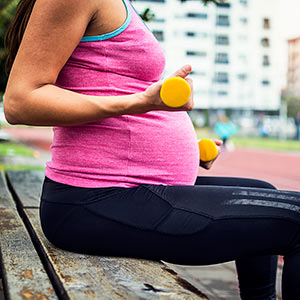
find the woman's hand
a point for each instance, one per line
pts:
(152, 98)
(208, 164)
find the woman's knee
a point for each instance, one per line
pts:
(263, 184)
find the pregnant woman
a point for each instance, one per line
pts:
(122, 180)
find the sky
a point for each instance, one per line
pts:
(290, 18)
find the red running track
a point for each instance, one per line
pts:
(282, 169)
(40, 137)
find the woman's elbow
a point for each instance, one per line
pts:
(12, 110)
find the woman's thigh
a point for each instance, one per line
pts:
(180, 224)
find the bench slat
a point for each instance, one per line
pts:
(6, 200)
(86, 277)
(219, 281)
(23, 273)
(27, 186)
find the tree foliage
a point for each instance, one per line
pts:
(7, 11)
(293, 105)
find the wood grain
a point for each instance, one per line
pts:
(27, 186)
(23, 274)
(6, 200)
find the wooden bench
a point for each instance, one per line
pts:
(32, 268)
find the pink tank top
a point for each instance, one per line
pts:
(153, 148)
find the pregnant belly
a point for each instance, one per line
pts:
(153, 148)
(166, 148)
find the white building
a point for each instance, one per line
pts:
(233, 49)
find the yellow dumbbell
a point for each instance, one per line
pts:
(175, 92)
(208, 150)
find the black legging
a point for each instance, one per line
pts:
(215, 221)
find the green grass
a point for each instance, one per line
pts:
(5, 167)
(267, 143)
(255, 142)
(15, 149)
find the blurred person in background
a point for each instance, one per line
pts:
(225, 129)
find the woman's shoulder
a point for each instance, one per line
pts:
(57, 11)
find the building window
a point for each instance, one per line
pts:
(294, 55)
(224, 5)
(244, 20)
(222, 40)
(242, 76)
(265, 82)
(221, 77)
(266, 60)
(266, 23)
(222, 93)
(159, 35)
(196, 34)
(221, 58)
(158, 20)
(244, 2)
(195, 53)
(190, 33)
(222, 20)
(202, 74)
(197, 15)
(265, 42)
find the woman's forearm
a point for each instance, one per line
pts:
(50, 105)
(33, 103)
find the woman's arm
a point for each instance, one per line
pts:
(53, 31)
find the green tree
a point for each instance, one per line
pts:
(293, 105)
(7, 11)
